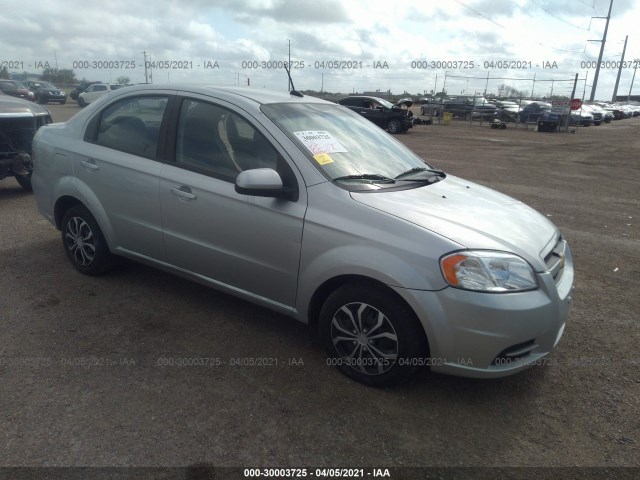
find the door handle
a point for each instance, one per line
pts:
(89, 164)
(184, 192)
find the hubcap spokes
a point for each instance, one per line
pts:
(80, 241)
(364, 338)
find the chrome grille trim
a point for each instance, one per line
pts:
(555, 259)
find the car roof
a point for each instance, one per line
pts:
(365, 97)
(255, 95)
(244, 97)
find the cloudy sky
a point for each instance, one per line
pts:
(463, 46)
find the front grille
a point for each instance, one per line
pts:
(555, 260)
(514, 353)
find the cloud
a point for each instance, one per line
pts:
(283, 11)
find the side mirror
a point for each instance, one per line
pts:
(261, 182)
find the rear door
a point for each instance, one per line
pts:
(117, 168)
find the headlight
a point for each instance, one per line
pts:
(488, 271)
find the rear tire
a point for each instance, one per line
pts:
(84, 242)
(370, 335)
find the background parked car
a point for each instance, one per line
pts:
(78, 89)
(595, 112)
(465, 107)
(581, 117)
(506, 110)
(385, 114)
(95, 91)
(15, 89)
(45, 92)
(19, 120)
(533, 110)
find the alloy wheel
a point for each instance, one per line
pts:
(364, 338)
(80, 241)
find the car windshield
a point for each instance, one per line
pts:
(341, 143)
(46, 84)
(384, 102)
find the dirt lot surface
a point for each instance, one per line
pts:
(82, 380)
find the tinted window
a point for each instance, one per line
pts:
(132, 125)
(215, 141)
(99, 88)
(348, 101)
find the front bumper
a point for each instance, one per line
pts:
(52, 97)
(487, 335)
(15, 164)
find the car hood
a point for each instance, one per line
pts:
(471, 215)
(16, 107)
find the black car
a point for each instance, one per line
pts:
(45, 92)
(19, 120)
(385, 114)
(532, 111)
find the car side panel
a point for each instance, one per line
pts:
(127, 186)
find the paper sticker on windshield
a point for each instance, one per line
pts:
(320, 141)
(323, 158)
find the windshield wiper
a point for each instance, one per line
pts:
(411, 171)
(366, 176)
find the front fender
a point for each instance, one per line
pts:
(364, 261)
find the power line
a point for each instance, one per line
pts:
(480, 14)
(556, 16)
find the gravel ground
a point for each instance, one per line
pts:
(82, 380)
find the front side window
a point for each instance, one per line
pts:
(216, 141)
(132, 125)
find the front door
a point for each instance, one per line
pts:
(245, 243)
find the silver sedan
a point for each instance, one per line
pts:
(304, 207)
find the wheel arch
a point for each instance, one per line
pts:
(331, 285)
(63, 204)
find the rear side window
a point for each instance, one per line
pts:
(132, 125)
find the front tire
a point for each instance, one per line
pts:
(394, 126)
(370, 335)
(82, 102)
(24, 181)
(84, 242)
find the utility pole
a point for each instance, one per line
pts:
(146, 78)
(289, 66)
(573, 95)
(615, 89)
(636, 61)
(602, 42)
